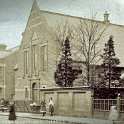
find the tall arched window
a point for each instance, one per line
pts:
(26, 61)
(43, 57)
(34, 53)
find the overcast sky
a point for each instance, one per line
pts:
(14, 14)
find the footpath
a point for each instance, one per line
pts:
(63, 119)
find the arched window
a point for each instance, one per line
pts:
(43, 57)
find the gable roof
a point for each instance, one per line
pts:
(77, 17)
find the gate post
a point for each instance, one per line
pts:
(118, 104)
(92, 105)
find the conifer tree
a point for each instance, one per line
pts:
(110, 61)
(64, 74)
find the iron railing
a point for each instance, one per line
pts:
(105, 104)
(122, 105)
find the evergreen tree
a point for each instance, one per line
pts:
(110, 62)
(64, 74)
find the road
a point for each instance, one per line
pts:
(31, 118)
(4, 120)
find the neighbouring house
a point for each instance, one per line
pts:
(7, 73)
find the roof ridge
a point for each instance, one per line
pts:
(79, 17)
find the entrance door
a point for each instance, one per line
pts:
(34, 92)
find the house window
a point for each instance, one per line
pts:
(43, 57)
(26, 62)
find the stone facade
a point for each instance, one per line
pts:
(36, 62)
(69, 101)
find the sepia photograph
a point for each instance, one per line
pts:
(61, 61)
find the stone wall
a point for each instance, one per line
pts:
(69, 101)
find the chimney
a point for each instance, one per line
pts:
(106, 17)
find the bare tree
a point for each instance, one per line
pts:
(63, 31)
(89, 34)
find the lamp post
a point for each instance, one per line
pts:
(39, 90)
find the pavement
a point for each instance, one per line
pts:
(63, 119)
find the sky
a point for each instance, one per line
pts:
(14, 14)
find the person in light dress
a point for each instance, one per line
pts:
(114, 114)
(51, 106)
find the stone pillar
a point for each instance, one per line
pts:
(92, 105)
(118, 104)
